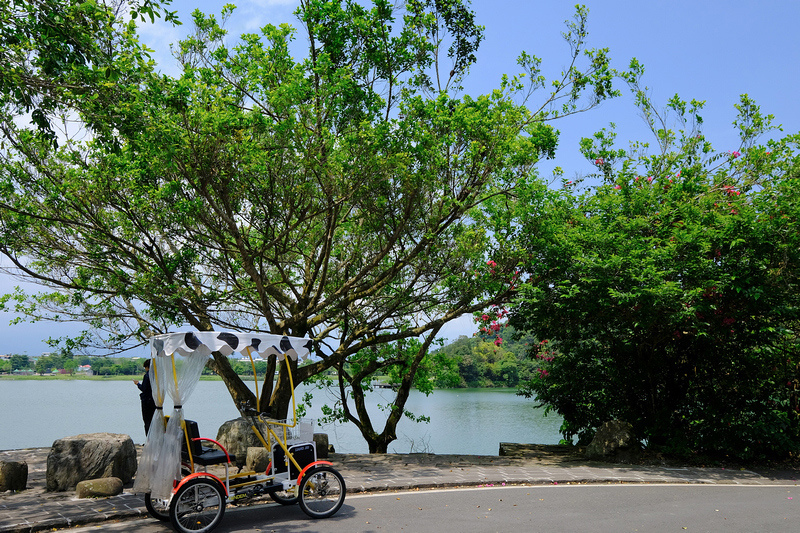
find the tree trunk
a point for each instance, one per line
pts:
(281, 399)
(269, 383)
(379, 442)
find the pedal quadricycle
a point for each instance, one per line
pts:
(187, 479)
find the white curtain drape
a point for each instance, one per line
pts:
(156, 435)
(177, 360)
(160, 464)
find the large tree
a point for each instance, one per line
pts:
(667, 296)
(352, 195)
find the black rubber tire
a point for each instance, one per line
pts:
(284, 497)
(322, 491)
(157, 508)
(198, 506)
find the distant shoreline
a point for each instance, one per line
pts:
(77, 377)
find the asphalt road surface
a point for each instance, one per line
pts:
(552, 508)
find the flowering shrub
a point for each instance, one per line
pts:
(668, 295)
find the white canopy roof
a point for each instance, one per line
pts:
(202, 343)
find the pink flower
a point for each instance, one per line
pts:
(617, 187)
(498, 341)
(484, 317)
(649, 179)
(599, 161)
(735, 154)
(491, 263)
(731, 190)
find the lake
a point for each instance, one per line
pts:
(463, 421)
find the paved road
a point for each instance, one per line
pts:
(37, 510)
(575, 508)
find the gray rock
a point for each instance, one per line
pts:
(614, 440)
(13, 475)
(90, 456)
(237, 436)
(257, 459)
(321, 439)
(99, 488)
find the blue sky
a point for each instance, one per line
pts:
(703, 49)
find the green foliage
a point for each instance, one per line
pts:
(113, 366)
(479, 362)
(52, 51)
(668, 295)
(243, 367)
(19, 362)
(59, 363)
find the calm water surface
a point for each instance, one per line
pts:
(466, 421)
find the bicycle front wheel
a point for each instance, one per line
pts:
(321, 492)
(198, 506)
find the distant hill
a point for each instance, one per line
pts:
(478, 362)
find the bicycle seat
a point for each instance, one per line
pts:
(202, 455)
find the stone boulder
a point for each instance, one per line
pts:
(99, 488)
(236, 436)
(257, 459)
(90, 456)
(13, 475)
(321, 440)
(615, 441)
